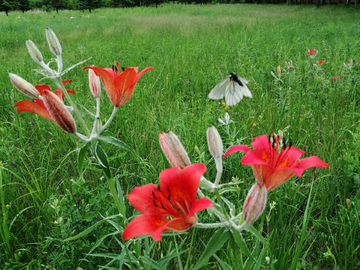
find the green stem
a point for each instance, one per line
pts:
(115, 194)
(221, 204)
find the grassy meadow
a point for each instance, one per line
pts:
(310, 222)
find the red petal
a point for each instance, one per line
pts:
(131, 90)
(309, 162)
(183, 186)
(147, 200)
(144, 225)
(277, 178)
(32, 107)
(236, 148)
(65, 82)
(42, 87)
(288, 157)
(123, 83)
(199, 205)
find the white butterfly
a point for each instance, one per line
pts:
(233, 88)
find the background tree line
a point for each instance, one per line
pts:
(56, 5)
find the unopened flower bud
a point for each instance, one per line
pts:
(23, 86)
(60, 115)
(287, 65)
(177, 150)
(53, 42)
(279, 69)
(34, 51)
(255, 203)
(94, 84)
(214, 142)
(165, 148)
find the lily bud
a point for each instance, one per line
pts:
(34, 51)
(53, 42)
(165, 148)
(279, 69)
(214, 142)
(56, 108)
(255, 203)
(23, 86)
(177, 150)
(94, 83)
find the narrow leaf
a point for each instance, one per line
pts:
(252, 229)
(152, 263)
(241, 243)
(115, 141)
(215, 243)
(89, 230)
(81, 155)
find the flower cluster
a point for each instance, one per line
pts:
(119, 87)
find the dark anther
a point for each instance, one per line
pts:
(163, 206)
(284, 143)
(290, 144)
(169, 197)
(269, 138)
(154, 195)
(155, 203)
(159, 189)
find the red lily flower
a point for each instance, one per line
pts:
(273, 168)
(334, 78)
(175, 197)
(311, 52)
(119, 86)
(38, 107)
(320, 62)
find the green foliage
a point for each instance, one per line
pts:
(191, 47)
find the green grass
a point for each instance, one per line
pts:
(43, 199)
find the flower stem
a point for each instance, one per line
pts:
(119, 204)
(110, 118)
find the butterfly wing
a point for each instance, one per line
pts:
(218, 92)
(234, 92)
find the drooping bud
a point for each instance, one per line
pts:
(34, 51)
(53, 42)
(56, 108)
(255, 203)
(214, 142)
(94, 84)
(23, 86)
(177, 150)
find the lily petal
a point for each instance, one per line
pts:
(144, 225)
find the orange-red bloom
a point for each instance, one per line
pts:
(272, 167)
(119, 86)
(38, 107)
(320, 62)
(311, 52)
(175, 197)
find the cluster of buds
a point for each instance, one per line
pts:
(119, 87)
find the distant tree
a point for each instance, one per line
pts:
(24, 5)
(89, 4)
(7, 5)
